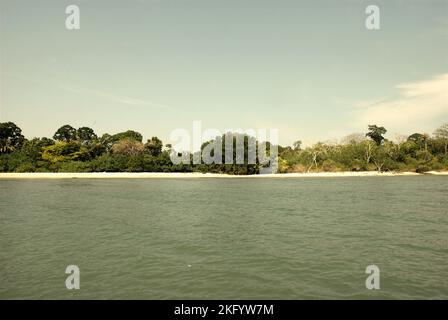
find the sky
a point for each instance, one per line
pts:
(310, 69)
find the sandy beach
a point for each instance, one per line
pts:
(151, 175)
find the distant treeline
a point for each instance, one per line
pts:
(81, 150)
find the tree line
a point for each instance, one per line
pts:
(82, 150)
(371, 151)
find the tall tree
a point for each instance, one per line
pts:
(297, 145)
(442, 134)
(11, 137)
(85, 135)
(420, 139)
(316, 153)
(65, 133)
(154, 146)
(376, 133)
(130, 134)
(106, 140)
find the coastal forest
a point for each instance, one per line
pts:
(82, 150)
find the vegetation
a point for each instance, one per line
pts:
(418, 153)
(81, 150)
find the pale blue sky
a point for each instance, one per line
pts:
(309, 68)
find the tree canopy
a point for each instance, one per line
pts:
(130, 134)
(154, 146)
(86, 135)
(65, 133)
(11, 137)
(82, 150)
(376, 133)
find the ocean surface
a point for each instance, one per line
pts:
(220, 238)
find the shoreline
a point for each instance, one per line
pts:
(159, 175)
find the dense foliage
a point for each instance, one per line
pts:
(81, 150)
(419, 153)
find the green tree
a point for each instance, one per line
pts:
(154, 146)
(96, 149)
(419, 138)
(65, 151)
(11, 137)
(129, 135)
(33, 148)
(86, 135)
(135, 164)
(107, 141)
(65, 133)
(243, 157)
(376, 133)
(81, 151)
(110, 163)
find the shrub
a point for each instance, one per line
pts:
(75, 166)
(110, 163)
(25, 167)
(422, 169)
(331, 166)
(135, 164)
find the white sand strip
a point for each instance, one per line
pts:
(147, 175)
(438, 173)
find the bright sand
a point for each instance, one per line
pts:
(145, 175)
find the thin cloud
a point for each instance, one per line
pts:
(418, 105)
(116, 98)
(130, 101)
